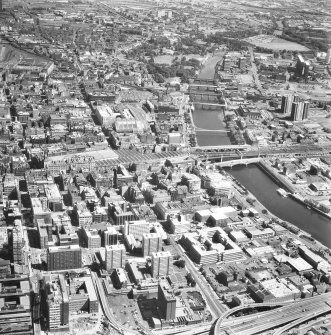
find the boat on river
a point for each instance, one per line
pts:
(282, 192)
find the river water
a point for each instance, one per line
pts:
(265, 190)
(255, 180)
(208, 70)
(210, 119)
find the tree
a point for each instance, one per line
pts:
(180, 263)
(251, 200)
(190, 279)
(167, 241)
(159, 78)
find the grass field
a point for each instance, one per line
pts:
(165, 59)
(274, 43)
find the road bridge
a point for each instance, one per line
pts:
(193, 91)
(203, 329)
(295, 323)
(221, 148)
(231, 163)
(248, 306)
(219, 107)
(219, 155)
(198, 81)
(201, 97)
(203, 87)
(286, 314)
(211, 130)
(247, 151)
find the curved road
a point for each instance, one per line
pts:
(287, 314)
(108, 312)
(298, 322)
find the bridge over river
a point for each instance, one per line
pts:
(211, 130)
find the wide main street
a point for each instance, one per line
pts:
(217, 308)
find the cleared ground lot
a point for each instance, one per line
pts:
(274, 43)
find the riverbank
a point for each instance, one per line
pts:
(277, 178)
(302, 200)
(264, 212)
(209, 65)
(212, 130)
(288, 210)
(280, 180)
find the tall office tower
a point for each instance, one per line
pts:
(166, 303)
(328, 56)
(286, 106)
(305, 110)
(297, 111)
(161, 263)
(137, 228)
(115, 256)
(302, 66)
(110, 236)
(17, 242)
(152, 242)
(64, 257)
(57, 301)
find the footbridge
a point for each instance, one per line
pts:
(211, 130)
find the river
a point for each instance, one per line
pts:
(265, 190)
(208, 70)
(256, 180)
(210, 119)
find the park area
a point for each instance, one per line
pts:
(275, 43)
(168, 59)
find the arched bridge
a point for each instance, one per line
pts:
(235, 162)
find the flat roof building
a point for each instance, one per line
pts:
(152, 242)
(162, 263)
(64, 257)
(115, 256)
